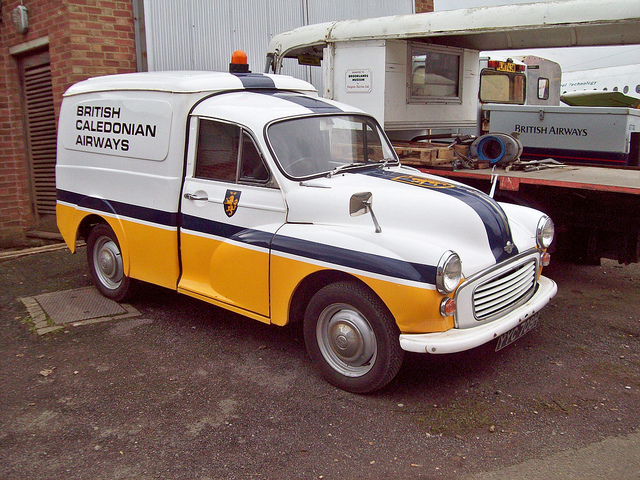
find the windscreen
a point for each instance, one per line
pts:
(316, 145)
(498, 87)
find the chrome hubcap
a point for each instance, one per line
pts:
(346, 340)
(107, 261)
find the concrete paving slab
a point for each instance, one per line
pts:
(614, 457)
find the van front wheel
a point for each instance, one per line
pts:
(352, 337)
(105, 263)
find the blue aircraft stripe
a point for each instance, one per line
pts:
(581, 156)
(493, 217)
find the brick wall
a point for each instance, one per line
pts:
(99, 41)
(423, 6)
(87, 38)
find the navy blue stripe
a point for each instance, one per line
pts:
(366, 262)
(255, 80)
(493, 217)
(357, 260)
(146, 214)
(577, 156)
(316, 105)
(316, 251)
(232, 232)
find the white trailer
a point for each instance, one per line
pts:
(421, 72)
(419, 75)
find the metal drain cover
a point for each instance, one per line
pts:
(75, 305)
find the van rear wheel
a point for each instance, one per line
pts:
(105, 263)
(352, 337)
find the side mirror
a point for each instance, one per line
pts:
(361, 203)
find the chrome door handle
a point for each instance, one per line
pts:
(193, 196)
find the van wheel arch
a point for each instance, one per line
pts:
(87, 224)
(309, 286)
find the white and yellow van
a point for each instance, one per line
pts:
(251, 193)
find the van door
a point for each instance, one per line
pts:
(231, 208)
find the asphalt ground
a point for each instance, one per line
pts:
(185, 390)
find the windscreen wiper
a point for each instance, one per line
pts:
(387, 161)
(349, 167)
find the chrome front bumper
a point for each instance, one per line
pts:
(458, 340)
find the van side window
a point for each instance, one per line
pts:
(220, 145)
(217, 156)
(252, 166)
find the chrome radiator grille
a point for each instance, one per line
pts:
(505, 291)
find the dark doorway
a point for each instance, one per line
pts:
(40, 127)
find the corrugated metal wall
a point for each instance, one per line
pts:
(327, 10)
(202, 34)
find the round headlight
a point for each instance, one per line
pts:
(449, 272)
(545, 232)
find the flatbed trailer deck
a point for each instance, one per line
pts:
(568, 176)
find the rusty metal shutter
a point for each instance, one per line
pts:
(40, 123)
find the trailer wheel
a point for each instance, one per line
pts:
(352, 338)
(105, 263)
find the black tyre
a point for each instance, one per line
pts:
(352, 337)
(105, 263)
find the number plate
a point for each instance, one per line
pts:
(506, 67)
(517, 332)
